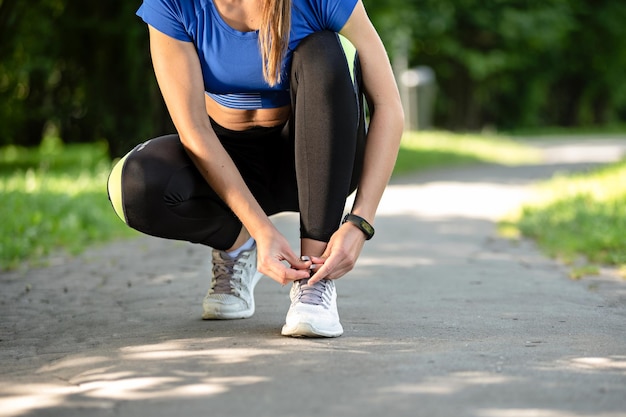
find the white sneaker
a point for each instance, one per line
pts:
(231, 295)
(313, 310)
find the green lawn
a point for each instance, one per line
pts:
(54, 198)
(579, 219)
(422, 150)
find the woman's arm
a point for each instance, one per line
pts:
(179, 75)
(383, 141)
(387, 117)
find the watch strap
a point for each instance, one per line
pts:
(361, 223)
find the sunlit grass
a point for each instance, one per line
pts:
(579, 219)
(568, 132)
(422, 150)
(54, 199)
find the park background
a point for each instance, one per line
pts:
(77, 91)
(82, 69)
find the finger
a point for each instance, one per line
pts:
(300, 263)
(318, 260)
(296, 274)
(321, 273)
(284, 274)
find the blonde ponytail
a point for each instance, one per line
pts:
(274, 37)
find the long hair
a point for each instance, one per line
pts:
(274, 37)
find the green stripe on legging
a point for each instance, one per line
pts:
(115, 188)
(350, 52)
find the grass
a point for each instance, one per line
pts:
(579, 219)
(422, 150)
(602, 130)
(54, 199)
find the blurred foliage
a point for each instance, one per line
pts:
(514, 63)
(78, 69)
(82, 70)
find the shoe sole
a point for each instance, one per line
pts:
(235, 315)
(306, 330)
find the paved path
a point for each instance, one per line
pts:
(441, 317)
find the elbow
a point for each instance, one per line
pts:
(389, 114)
(395, 117)
(399, 116)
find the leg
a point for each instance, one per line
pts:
(157, 190)
(329, 137)
(329, 131)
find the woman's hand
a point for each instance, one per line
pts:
(340, 256)
(273, 250)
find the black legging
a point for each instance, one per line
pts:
(309, 165)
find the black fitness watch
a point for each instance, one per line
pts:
(361, 223)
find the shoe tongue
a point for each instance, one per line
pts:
(225, 256)
(312, 294)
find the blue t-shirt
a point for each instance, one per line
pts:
(231, 61)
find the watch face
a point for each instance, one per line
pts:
(365, 226)
(361, 223)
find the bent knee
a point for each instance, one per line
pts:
(114, 188)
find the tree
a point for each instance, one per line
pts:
(512, 63)
(81, 68)
(26, 68)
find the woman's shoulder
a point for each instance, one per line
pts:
(177, 18)
(180, 7)
(321, 5)
(323, 14)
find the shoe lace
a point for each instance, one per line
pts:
(226, 278)
(312, 294)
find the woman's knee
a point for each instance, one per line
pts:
(326, 56)
(114, 187)
(139, 177)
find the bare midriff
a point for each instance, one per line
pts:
(237, 119)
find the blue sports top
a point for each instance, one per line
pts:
(231, 61)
